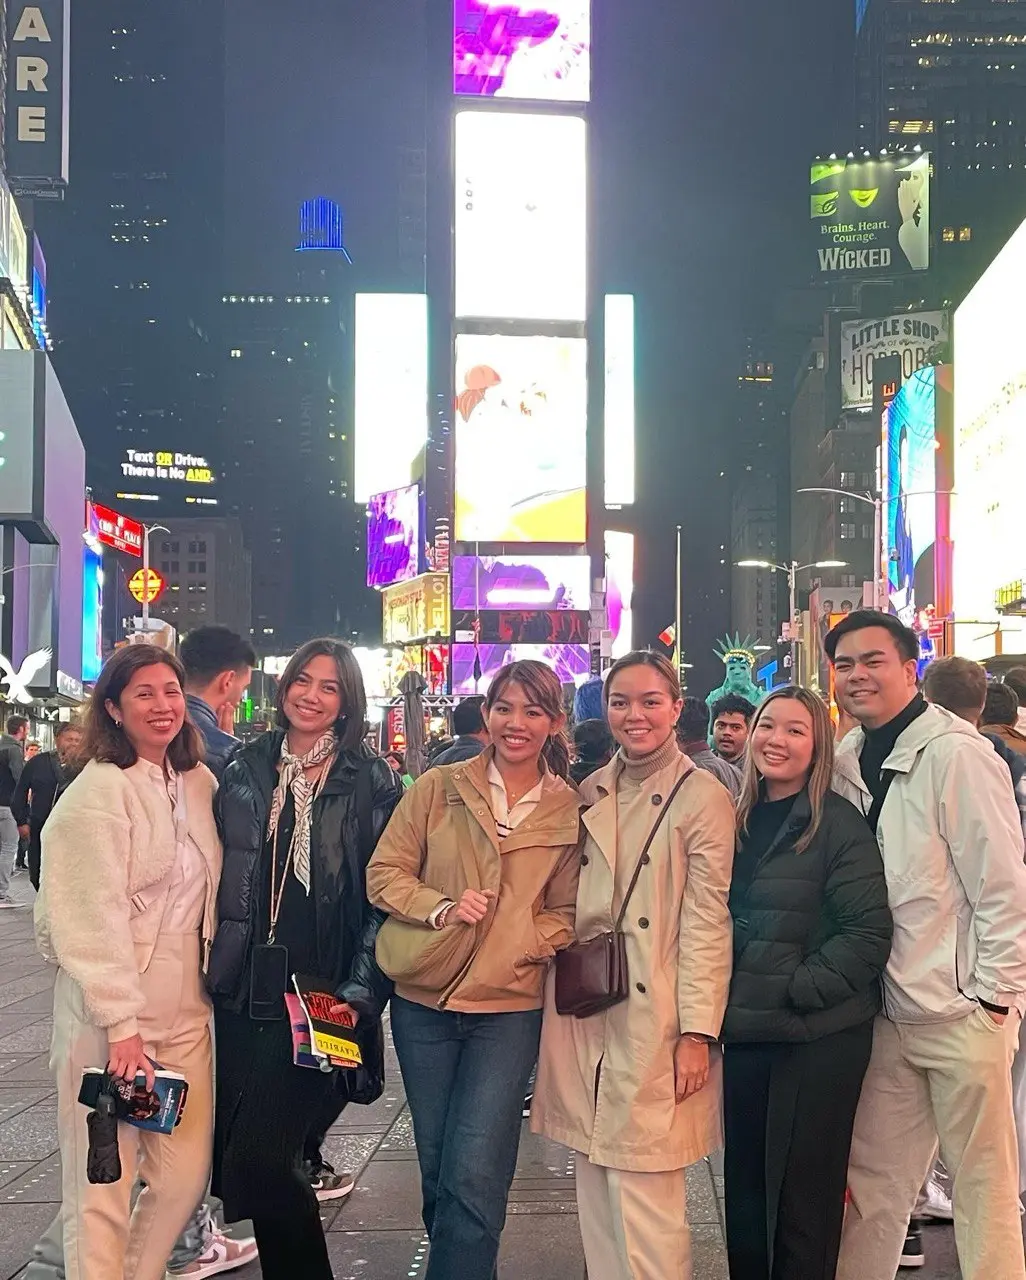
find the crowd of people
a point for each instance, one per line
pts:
(675, 930)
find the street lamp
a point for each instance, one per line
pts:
(792, 571)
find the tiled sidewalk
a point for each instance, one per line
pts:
(376, 1234)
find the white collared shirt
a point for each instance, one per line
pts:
(188, 887)
(508, 819)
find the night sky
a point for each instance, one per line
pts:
(708, 115)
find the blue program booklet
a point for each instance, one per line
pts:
(157, 1110)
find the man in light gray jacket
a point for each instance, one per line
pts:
(938, 798)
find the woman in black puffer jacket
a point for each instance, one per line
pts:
(299, 812)
(812, 933)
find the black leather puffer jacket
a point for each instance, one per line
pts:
(350, 813)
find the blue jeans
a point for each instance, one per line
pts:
(465, 1076)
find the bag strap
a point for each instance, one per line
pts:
(642, 857)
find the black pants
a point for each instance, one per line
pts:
(292, 1247)
(35, 853)
(266, 1110)
(789, 1111)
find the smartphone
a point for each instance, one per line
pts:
(268, 982)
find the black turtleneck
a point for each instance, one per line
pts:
(878, 746)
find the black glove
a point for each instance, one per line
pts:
(103, 1162)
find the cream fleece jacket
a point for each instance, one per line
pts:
(108, 850)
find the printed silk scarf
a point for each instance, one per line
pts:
(292, 776)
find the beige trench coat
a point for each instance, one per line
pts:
(606, 1084)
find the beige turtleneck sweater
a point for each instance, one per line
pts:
(635, 770)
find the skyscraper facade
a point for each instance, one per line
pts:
(952, 78)
(134, 252)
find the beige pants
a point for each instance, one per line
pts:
(104, 1238)
(634, 1225)
(950, 1080)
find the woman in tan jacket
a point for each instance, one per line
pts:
(636, 1090)
(131, 862)
(478, 870)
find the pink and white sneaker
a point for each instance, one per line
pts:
(225, 1254)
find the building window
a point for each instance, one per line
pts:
(847, 479)
(847, 531)
(849, 580)
(965, 234)
(867, 532)
(191, 566)
(948, 235)
(201, 566)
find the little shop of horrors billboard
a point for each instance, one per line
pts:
(870, 217)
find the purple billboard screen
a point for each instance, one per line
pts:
(571, 663)
(393, 536)
(521, 582)
(538, 51)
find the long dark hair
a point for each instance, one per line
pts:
(645, 658)
(350, 725)
(541, 684)
(107, 741)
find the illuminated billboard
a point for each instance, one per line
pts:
(990, 453)
(521, 216)
(870, 216)
(393, 536)
(540, 50)
(521, 438)
(918, 339)
(475, 667)
(391, 392)
(909, 486)
(167, 467)
(620, 591)
(521, 582)
(619, 400)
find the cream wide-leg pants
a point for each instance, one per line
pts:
(634, 1225)
(104, 1238)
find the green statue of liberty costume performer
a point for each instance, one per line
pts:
(738, 656)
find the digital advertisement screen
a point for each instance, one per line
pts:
(393, 536)
(524, 626)
(521, 438)
(620, 591)
(620, 399)
(910, 483)
(524, 582)
(990, 452)
(391, 396)
(571, 662)
(521, 216)
(92, 615)
(540, 50)
(870, 217)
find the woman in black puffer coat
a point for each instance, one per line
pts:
(812, 933)
(299, 812)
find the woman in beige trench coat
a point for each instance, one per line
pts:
(636, 1091)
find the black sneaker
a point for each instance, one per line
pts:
(529, 1098)
(327, 1184)
(912, 1254)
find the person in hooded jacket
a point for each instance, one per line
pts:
(812, 932)
(300, 810)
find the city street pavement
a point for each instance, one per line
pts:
(376, 1234)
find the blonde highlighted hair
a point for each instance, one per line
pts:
(820, 774)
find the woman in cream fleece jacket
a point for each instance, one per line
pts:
(126, 909)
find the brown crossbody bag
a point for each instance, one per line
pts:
(592, 976)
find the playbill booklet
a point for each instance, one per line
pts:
(320, 1038)
(158, 1110)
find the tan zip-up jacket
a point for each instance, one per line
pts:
(442, 840)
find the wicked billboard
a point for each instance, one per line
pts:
(870, 217)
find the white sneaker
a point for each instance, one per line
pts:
(7, 901)
(937, 1206)
(224, 1254)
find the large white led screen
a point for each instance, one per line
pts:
(521, 438)
(990, 453)
(619, 406)
(391, 392)
(620, 591)
(537, 50)
(521, 216)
